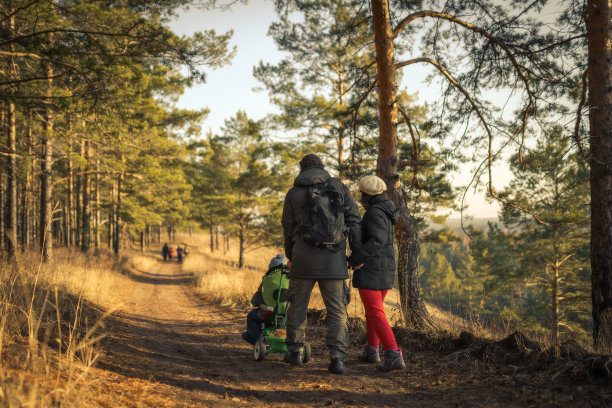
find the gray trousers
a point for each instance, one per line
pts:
(335, 297)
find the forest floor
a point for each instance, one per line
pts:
(169, 347)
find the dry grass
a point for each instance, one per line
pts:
(51, 321)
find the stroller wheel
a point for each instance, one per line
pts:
(259, 351)
(307, 352)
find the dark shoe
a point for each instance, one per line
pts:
(295, 358)
(246, 338)
(393, 360)
(336, 366)
(369, 355)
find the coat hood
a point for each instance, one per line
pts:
(383, 203)
(310, 176)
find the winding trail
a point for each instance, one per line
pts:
(168, 347)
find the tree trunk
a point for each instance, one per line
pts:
(78, 204)
(110, 228)
(159, 229)
(212, 239)
(11, 190)
(69, 217)
(86, 211)
(46, 182)
(2, 209)
(117, 227)
(10, 237)
(142, 241)
(413, 307)
(555, 305)
(600, 118)
(27, 238)
(98, 218)
(241, 249)
(217, 238)
(147, 236)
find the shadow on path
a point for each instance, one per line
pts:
(201, 351)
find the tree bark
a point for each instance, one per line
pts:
(212, 239)
(241, 248)
(46, 182)
(27, 238)
(117, 228)
(97, 218)
(597, 17)
(11, 188)
(110, 228)
(413, 307)
(217, 238)
(86, 211)
(2, 208)
(10, 237)
(555, 304)
(25, 203)
(78, 202)
(69, 218)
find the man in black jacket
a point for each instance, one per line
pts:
(325, 265)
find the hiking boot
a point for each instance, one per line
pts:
(336, 366)
(392, 360)
(295, 358)
(369, 355)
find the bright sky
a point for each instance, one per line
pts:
(230, 88)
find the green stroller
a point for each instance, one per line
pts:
(274, 288)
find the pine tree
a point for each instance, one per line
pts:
(553, 252)
(329, 62)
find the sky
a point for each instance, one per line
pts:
(231, 88)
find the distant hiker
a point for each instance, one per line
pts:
(257, 316)
(375, 277)
(318, 214)
(170, 253)
(185, 251)
(165, 251)
(179, 254)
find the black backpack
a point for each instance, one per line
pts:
(323, 223)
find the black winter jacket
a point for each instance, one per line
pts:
(309, 262)
(378, 272)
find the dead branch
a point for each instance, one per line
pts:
(444, 16)
(475, 107)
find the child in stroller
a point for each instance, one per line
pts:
(270, 302)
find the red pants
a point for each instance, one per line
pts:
(378, 326)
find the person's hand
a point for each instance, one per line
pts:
(289, 264)
(358, 267)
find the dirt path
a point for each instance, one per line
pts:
(170, 348)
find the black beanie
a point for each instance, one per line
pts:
(310, 160)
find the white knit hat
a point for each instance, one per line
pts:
(372, 185)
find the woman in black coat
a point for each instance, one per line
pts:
(376, 275)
